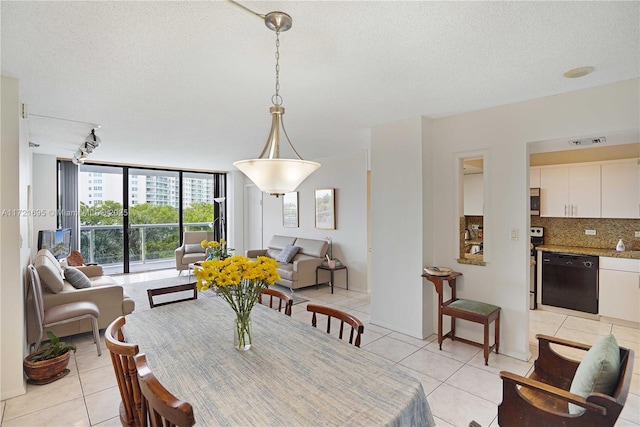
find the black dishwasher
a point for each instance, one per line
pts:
(570, 281)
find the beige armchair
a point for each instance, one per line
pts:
(191, 250)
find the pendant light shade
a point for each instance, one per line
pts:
(269, 172)
(277, 176)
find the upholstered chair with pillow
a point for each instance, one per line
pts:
(191, 249)
(70, 285)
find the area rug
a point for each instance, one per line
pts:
(138, 291)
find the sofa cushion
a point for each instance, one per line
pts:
(49, 270)
(279, 242)
(77, 278)
(598, 372)
(312, 247)
(286, 272)
(287, 254)
(193, 249)
(273, 253)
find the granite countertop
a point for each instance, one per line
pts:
(590, 251)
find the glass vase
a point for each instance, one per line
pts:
(242, 331)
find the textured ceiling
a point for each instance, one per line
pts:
(189, 84)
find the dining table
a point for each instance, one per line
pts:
(293, 374)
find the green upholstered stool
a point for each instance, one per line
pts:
(473, 311)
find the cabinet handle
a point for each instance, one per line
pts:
(566, 210)
(573, 209)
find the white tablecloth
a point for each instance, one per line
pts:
(293, 374)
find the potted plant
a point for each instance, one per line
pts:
(50, 362)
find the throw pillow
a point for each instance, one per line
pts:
(598, 371)
(287, 254)
(77, 278)
(195, 248)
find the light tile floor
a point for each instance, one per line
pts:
(459, 387)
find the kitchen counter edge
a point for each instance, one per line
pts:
(590, 251)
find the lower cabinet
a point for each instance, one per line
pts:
(619, 288)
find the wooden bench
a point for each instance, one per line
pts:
(473, 311)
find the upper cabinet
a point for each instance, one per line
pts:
(609, 189)
(621, 189)
(570, 191)
(474, 194)
(534, 177)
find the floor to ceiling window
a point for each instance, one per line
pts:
(102, 216)
(154, 206)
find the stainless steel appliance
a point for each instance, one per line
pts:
(537, 239)
(570, 281)
(535, 201)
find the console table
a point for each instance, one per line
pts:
(332, 270)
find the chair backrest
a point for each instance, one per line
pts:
(159, 406)
(357, 327)
(193, 237)
(124, 366)
(284, 301)
(169, 290)
(36, 288)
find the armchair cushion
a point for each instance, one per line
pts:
(193, 248)
(287, 254)
(598, 372)
(77, 278)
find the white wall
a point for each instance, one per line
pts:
(398, 203)
(14, 248)
(504, 132)
(348, 175)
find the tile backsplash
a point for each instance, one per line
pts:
(571, 232)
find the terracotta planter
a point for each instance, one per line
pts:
(45, 369)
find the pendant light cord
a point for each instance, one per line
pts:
(276, 99)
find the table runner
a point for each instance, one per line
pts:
(293, 374)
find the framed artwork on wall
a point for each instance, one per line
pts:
(325, 209)
(290, 217)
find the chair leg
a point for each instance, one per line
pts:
(96, 334)
(38, 341)
(497, 337)
(486, 342)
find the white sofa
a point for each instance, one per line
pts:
(105, 292)
(301, 271)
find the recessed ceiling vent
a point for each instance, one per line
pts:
(588, 141)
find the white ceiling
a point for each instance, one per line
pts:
(189, 84)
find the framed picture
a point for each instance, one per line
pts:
(325, 209)
(290, 216)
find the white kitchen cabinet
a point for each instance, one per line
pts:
(474, 194)
(619, 288)
(570, 191)
(621, 189)
(534, 177)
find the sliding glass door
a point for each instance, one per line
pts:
(102, 216)
(132, 219)
(154, 197)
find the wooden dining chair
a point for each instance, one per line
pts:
(357, 327)
(122, 354)
(159, 406)
(283, 300)
(170, 290)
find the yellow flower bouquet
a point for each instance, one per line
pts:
(238, 280)
(217, 249)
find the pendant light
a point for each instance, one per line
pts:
(269, 172)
